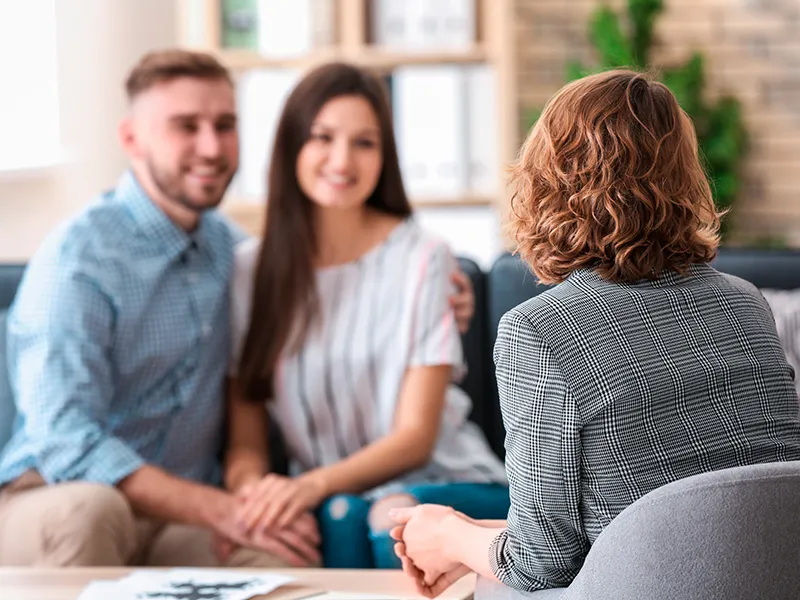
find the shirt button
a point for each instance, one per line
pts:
(192, 278)
(206, 330)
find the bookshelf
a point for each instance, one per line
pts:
(200, 27)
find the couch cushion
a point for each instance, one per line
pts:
(776, 269)
(10, 276)
(730, 534)
(7, 409)
(477, 381)
(510, 282)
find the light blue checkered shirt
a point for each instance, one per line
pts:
(118, 341)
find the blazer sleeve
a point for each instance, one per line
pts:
(544, 544)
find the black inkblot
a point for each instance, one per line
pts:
(193, 591)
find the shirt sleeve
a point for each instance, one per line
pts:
(544, 544)
(60, 337)
(241, 292)
(435, 339)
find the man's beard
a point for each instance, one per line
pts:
(169, 186)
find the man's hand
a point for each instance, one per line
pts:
(153, 492)
(222, 547)
(463, 301)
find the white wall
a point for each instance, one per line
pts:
(98, 42)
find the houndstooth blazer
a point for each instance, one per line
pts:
(609, 391)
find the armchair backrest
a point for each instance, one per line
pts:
(732, 534)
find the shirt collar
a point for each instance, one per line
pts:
(153, 222)
(665, 278)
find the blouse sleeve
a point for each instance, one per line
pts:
(241, 291)
(544, 544)
(435, 339)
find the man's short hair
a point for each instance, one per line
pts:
(165, 65)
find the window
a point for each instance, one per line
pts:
(29, 125)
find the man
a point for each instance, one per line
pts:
(118, 342)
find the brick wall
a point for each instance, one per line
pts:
(752, 50)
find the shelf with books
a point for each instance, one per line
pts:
(380, 58)
(478, 58)
(444, 201)
(238, 59)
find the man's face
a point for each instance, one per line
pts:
(182, 139)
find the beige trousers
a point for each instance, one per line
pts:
(88, 524)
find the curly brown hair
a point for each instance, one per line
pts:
(610, 179)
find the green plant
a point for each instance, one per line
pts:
(720, 128)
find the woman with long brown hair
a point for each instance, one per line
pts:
(643, 366)
(342, 325)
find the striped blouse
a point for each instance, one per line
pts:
(382, 314)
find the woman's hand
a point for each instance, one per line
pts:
(297, 545)
(421, 531)
(276, 501)
(443, 582)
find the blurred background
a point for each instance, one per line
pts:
(466, 78)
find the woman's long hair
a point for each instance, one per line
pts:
(285, 301)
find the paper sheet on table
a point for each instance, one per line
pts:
(104, 590)
(355, 596)
(187, 584)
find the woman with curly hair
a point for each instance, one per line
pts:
(643, 366)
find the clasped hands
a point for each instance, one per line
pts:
(422, 548)
(274, 514)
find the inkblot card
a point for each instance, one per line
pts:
(186, 584)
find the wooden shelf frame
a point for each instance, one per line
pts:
(495, 45)
(249, 214)
(374, 57)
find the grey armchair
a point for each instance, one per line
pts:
(732, 534)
